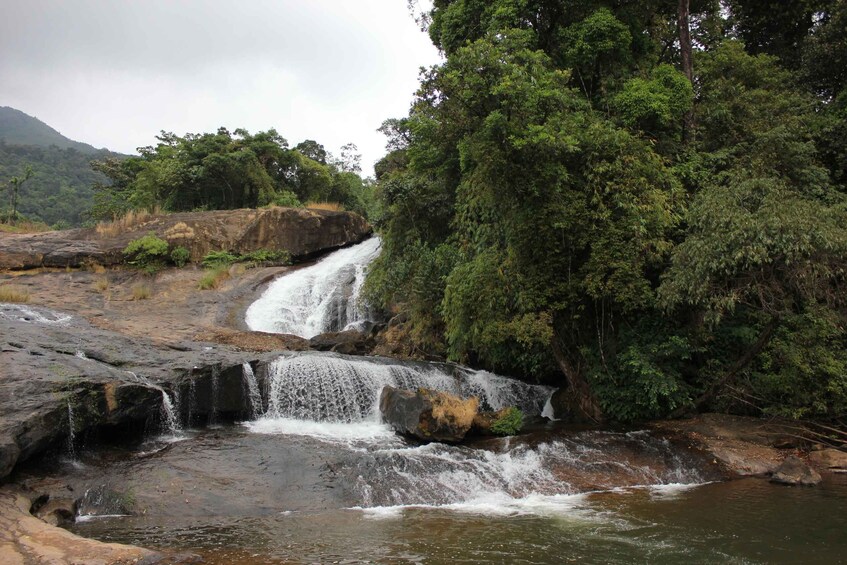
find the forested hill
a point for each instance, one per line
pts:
(18, 128)
(59, 192)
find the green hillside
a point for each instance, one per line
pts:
(18, 128)
(60, 190)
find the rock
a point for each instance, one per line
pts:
(795, 471)
(57, 511)
(303, 233)
(829, 459)
(350, 342)
(427, 414)
(26, 539)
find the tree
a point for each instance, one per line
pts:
(15, 184)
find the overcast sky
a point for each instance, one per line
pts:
(113, 73)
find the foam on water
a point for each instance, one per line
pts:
(320, 298)
(342, 432)
(44, 316)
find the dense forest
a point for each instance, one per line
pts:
(643, 200)
(225, 170)
(59, 190)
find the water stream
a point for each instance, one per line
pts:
(315, 476)
(323, 297)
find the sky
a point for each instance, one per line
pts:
(113, 73)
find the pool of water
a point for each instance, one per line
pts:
(279, 493)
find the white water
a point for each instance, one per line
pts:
(321, 298)
(252, 388)
(169, 415)
(71, 433)
(21, 313)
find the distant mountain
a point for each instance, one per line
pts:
(60, 191)
(17, 128)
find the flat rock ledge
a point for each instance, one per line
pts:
(25, 539)
(302, 232)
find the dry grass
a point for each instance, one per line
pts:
(213, 278)
(131, 219)
(25, 227)
(101, 284)
(141, 292)
(333, 206)
(12, 293)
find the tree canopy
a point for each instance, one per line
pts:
(563, 204)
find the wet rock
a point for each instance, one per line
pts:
(427, 414)
(829, 459)
(57, 511)
(350, 342)
(303, 233)
(795, 471)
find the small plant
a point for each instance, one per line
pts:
(101, 284)
(286, 199)
(11, 293)
(141, 292)
(180, 256)
(333, 206)
(147, 252)
(213, 278)
(509, 423)
(219, 259)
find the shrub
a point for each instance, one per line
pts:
(11, 293)
(267, 256)
(509, 423)
(219, 259)
(214, 277)
(286, 199)
(147, 252)
(101, 284)
(180, 256)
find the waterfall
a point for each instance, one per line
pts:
(321, 298)
(71, 433)
(252, 390)
(327, 388)
(213, 412)
(169, 415)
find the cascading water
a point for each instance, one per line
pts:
(252, 389)
(321, 298)
(71, 433)
(169, 408)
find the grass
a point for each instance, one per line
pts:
(25, 227)
(141, 292)
(12, 293)
(213, 278)
(334, 206)
(126, 222)
(101, 284)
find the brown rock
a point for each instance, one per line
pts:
(428, 414)
(795, 471)
(303, 233)
(57, 511)
(829, 459)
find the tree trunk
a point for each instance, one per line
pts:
(685, 51)
(581, 399)
(742, 362)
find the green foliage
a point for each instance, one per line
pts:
(146, 252)
(219, 259)
(223, 170)
(509, 423)
(180, 256)
(541, 211)
(213, 277)
(280, 256)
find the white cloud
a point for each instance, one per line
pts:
(115, 73)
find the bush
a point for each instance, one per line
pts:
(219, 259)
(509, 423)
(286, 199)
(267, 256)
(147, 252)
(141, 292)
(180, 256)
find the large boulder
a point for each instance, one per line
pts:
(832, 460)
(427, 414)
(795, 471)
(303, 233)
